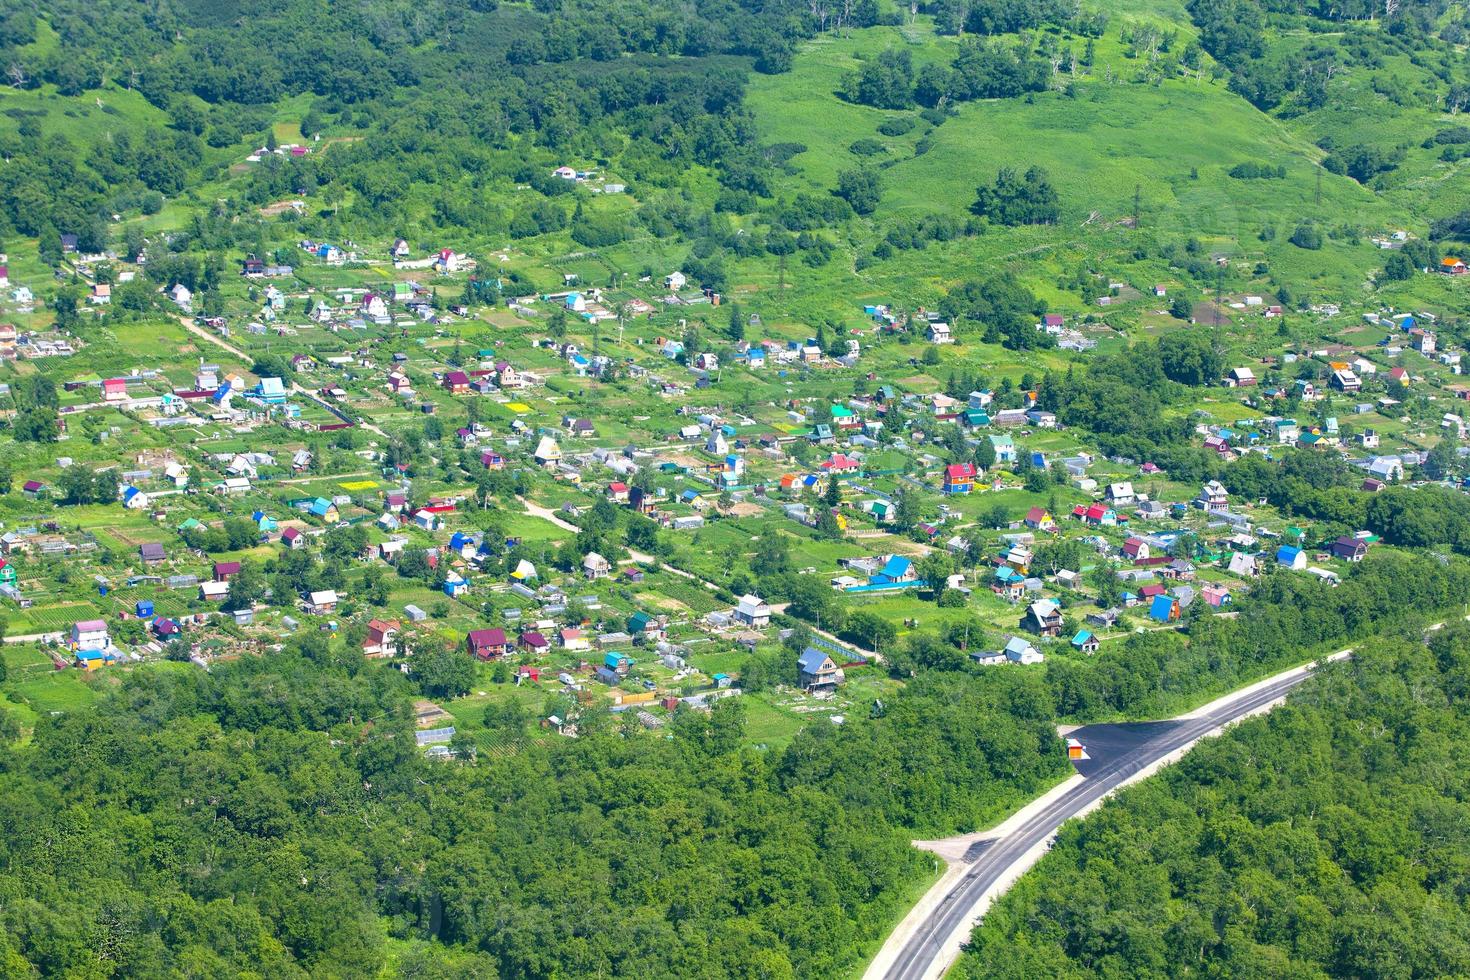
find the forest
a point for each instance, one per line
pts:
(1324, 839)
(273, 818)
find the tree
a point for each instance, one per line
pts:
(985, 453)
(861, 188)
(1190, 359)
(1015, 199)
(1105, 582)
(832, 496)
(1398, 268)
(1307, 236)
(906, 511)
(737, 323)
(247, 587)
(444, 673)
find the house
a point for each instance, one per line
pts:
(1044, 617)
(817, 671)
(1121, 494)
(1018, 650)
(487, 644)
(32, 488)
(101, 294)
(939, 333)
(617, 492)
(1164, 609)
(89, 635)
(675, 281)
(533, 642)
(1005, 448)
(322, 603)
(1213, 498)
(640, 500)
(1452, 266)
(1389, 469)
(182, 297)
(1040, 519)
(151, 552)
(594, 566)
(1136, 549)
(1244, 565)
(1241, 377)
(427, 519)
(455, 585)
(548, 453)
(1097, 515)
(293, 539)
(1085, 642)
(1215, 595)
(213, 591)
(456, 382)
(959, 478)
(896, 570)
(753, 612)
(1349, 549)
(380, 636)
(134, 499)
(1289, 556)
(226, 570)
(1346, 380)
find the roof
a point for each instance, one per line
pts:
(897, 566)
(90, 626)
(323, 598)
(812, 660)
(487, 638)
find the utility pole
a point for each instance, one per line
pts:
(1137, 193)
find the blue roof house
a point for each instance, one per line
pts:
(1164, 609)
(895, 571)
(1288, 556)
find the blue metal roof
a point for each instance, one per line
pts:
(811, 660)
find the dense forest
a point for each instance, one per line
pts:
(273, 818)
(1325, 839)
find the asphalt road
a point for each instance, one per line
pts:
(1118, 752)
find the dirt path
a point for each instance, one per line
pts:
(221, 343)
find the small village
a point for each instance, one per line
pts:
(566, 490)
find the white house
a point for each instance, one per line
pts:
(594, 566)
(90, 634)
(753, 612)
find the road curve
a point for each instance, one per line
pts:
(925, 956)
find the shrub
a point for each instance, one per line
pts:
(897, 126)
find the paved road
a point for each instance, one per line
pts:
(1119, 752)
